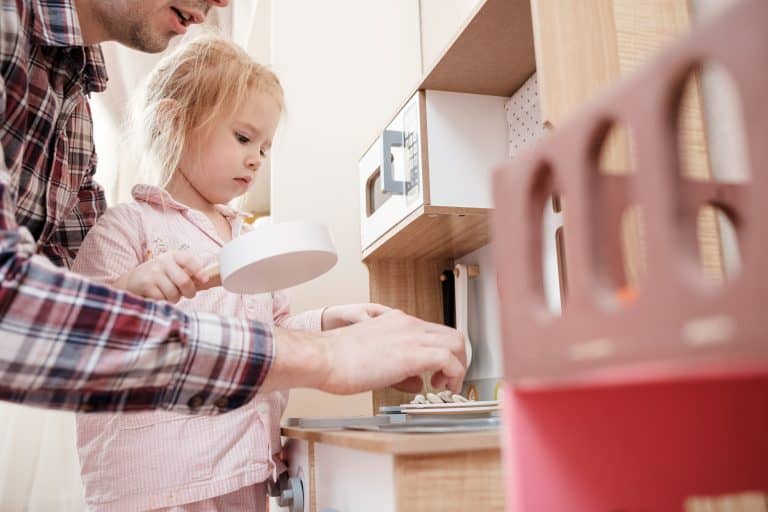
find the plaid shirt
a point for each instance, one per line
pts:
(66, 342)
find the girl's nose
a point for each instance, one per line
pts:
(253, 163)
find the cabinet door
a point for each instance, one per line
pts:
(581, 47)
(349, 480)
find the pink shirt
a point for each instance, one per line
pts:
(136, 461)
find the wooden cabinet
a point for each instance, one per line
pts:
(591, 443)
(582, 49)
(347, 471)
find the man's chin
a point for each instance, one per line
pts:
(147, 45)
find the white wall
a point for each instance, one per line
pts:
(345, 66)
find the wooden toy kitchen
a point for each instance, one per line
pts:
(600, 252)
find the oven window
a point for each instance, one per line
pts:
(376, 196)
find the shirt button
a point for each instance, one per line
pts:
(195, 402)
(222, 403)
(233, 402)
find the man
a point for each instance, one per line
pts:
(72, 344)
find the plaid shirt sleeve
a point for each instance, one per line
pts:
(91, 204)
(68, 343)
(71, 344)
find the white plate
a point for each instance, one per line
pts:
(453, 405)
(451, 411)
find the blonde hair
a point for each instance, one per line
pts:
(196, 83)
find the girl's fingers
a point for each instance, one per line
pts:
(181, 279)
(168, 289)
(155, 293)
(374, 310)
(190, 263)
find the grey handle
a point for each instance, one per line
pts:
(289, 492)
(390, 139)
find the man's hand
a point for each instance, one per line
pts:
(392, 349)
(169, 277)
(348, 314)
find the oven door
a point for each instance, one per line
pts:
(390, 175)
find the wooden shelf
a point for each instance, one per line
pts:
(492, 54)
(433, 232)
(398, 443)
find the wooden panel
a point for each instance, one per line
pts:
(389, 396)
(744, 502)
(451, 482)
(412, 286)
(312, 478)
(642, 29)
(580, 51)
(492, 54)
(433, 232)
(576, 53)
(398, 443)
(676, 328)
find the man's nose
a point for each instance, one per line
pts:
(206, 4)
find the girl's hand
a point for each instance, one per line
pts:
(348, 314)
(169, 277)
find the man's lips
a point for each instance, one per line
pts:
(186, 17)
(178, 24)
(183, 18)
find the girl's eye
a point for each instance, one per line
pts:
(263, 153)
(243, 139)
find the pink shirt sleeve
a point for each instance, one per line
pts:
(307, 321)
(113, 247)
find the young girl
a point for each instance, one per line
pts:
(209, 116)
